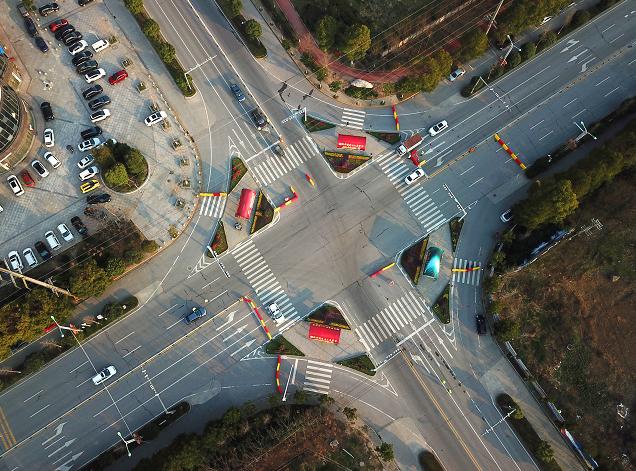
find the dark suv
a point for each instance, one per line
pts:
(49, 8)
(30, 26)
(47, 111)
(61, 31)
(259, 118)
(90, 92)
(42, 250)
(481, 324)
(86, 67)
(91, 132)
(98, 102)
(81, 57)
(96, 199)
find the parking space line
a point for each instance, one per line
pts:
(122, 339)
(170, 308)
(610, 92)
(78, 367)
(132, 351)
(542, 138)
(568, 103)
(617, 38)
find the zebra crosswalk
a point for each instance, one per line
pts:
(265, 284)
(467, 278)
(212, 206)
(352, 118)
(317, 377)
(276, 166)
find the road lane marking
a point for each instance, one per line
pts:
(43, 408)
(6, 435)
(610, 92)
(132, 351)
(535, 125)
(606, 78)
(31, 397)
(177, 322)
(475, 182)
(169, 309)
(78, 367)
(608, 28)
(542, 138)
(208, 284)
(577, 114)
(469, 168)
(617, 38)
(83, 382)
(217, 296)
(630, 63)
(120, 340)
(568, 103)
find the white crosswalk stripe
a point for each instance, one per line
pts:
(467, 278)
(317, 377)
(264, 282)
(353, 118)
(275, 166)
(212, 206)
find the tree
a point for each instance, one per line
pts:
(432, 76)
(350, 413)
(135, 6)
(252, 29)
(116, 176)
(386, 451)
(234, 7)
(518, 414)
(152, 31)
(357, 42)
(135, 163)
(514, 59)
(115, 266)
(166, 52)
(444, 62)
(326, 32)
(549, 202)
(544, 451)
(474, 43)
(321, 74)
(88, 279)
(410, 84)
(507, 329)
(528, 50)
(335, 86)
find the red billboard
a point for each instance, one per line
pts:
(246, 203)
(347, 141)
(324, 333)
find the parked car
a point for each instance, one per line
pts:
(39, 168)
(155, 118)
(89, 186)
(15, 262)
(68, 33)
(49, 8)
(238, 93)
(455, 74)
(259, 118)
(15, 185)
(506, 216)
(82, 3)
(416, 175)
(79, 46)
(89, 144)
(99, 102)
(42, 250)
(94, 75)
(99, 115)
(109, 371)
(49, 137)
(52, 240)
(57, 24)
(88, 173)
(41, 44)
(100, 45)
(27, 178)
(91, 132)
(80, 57)
(439, 127)
(47, 111)
(79, 225)
(86, 67)
(63, 30)
(96, 199)
(85, 162)
(65, 232)
(30, 27)
(196, 314)
(117, 77)
(72, 38)
(29, 257)
(480, 321)
(52, 160)
(93, 91)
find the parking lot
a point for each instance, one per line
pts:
(57, 198)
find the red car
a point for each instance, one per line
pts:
(27, 178)
(117, 77)
(57, 24)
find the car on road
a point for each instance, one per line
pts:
(416, 175)
(480, 322)
(79, 225)
(506, 216)
(39, 168)
(65, 232)
(46, 10)
(72, 38)
(15, 185)
(49, 137)
(436, 129)
(63, 30)
(94, 75)
(91, 132)
(47, 111)
(433, 262)
(196, 314)
(107, 372)
(80, 57)
(96, 199)
(89, 186)
(78, 47)
(29, 257)
(27, 178)
(42, 250)
(86, 67)
(93, 91)
(89, 173)
(275, 313)
(99, 115)
(57, 24)
(117, 77)
(30, 26)
(85, 162)
(41, 44)
(89, 144)
(52, 160)
(52, 240)
(455, 74)
(155, 118)
(99, 102)
(259, 118)
(238, 93)
(15, 261)
(100, 45)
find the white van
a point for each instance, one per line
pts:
(100, 45)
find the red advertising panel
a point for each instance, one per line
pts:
(246, 203)
(324, 333)
(346, 141)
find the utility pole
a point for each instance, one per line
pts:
(494, 16)
(50, 286)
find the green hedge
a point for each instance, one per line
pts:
(441, 308)
(280, 345)
(361, 363)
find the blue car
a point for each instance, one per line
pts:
(433, 262)
(238, 93)
(196, 314)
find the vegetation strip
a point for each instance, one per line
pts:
(280, 345)
(361, 363)
(250, 30)
(238, 170)
(455, 226)
(412, 260)
(441, 308)
(219, 242)
(315, 124)
(343, 162)
(390, 137)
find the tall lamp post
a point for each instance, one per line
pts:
(584, 132)
(126, 442)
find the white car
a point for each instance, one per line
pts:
(88, 144)
(99, 115)
(39, 168)
(275, 313)
(29, 257)
(15, 185)
(88, 173)
(100, 45)
(103, 375)
(52, 160)
(52, 240)
(49, 137)
(88, 159)
(455, 74)
(416, 175)
(79, 46)
(15, 261)
(65, 232)
(94, 75)
(155, 118)
(439, 127)
(507, 216)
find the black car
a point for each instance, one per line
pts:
(81, 3)
(259, 118)
(81, 57)
(72, 38)
(47, 111)
(48, 8)
(99, 102)
(62, 30)
(90, 92)
(96, 199)
(30, 26)
(91, 132)
(86, 67)
(41, 44)
(42, 250)
(79, 225)
(481, 324)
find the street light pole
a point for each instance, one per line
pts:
(584, 132)
(512, 46)
(126, 442)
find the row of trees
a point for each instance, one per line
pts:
(354, 41)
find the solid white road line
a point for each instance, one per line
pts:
(542, 138)
(606, 78)
(31, 397)
(170, 308)
(616, 38)
(610, 92)
(35, 413)
(475, 182)
(534, 126)
(568, 103)
(132, 351)
(577, 114)
(78, 367)
(120, 340)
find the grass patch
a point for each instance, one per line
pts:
(219, 242)
(390, 137)
(441, 308)
(280, 345)
(361, 363)
(263, 215)
(328, 315)
(412, 259)
(428, 462)
(315, 124)
(238, 170)
(345, 163)
(455, 225)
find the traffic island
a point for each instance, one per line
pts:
(315, 124)
(238, 171)
(429, 461)
(412, 260)
(455, 226)
(329, 315)
(124, 169)
(344, 162)
(361, 363)
(263, 215)
(388, 137)
(441, 308)
(219, 242)
(281, 346)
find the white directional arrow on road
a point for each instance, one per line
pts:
(433, 148)
(66, 445)
(571, 42)
(440, 159)
(237, 331)
(575, 57)
(244, 346)
(65, 466)
(58, 430)
(230, 318)
(584, 65)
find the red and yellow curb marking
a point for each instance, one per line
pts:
(395, 116)
(252, 305)
(288, 200)
(309, 179)
(464, 270)
(510, 152)
(220, 193)
(280, 390)
(374, 274)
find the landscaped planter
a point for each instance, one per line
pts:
(345, 163)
